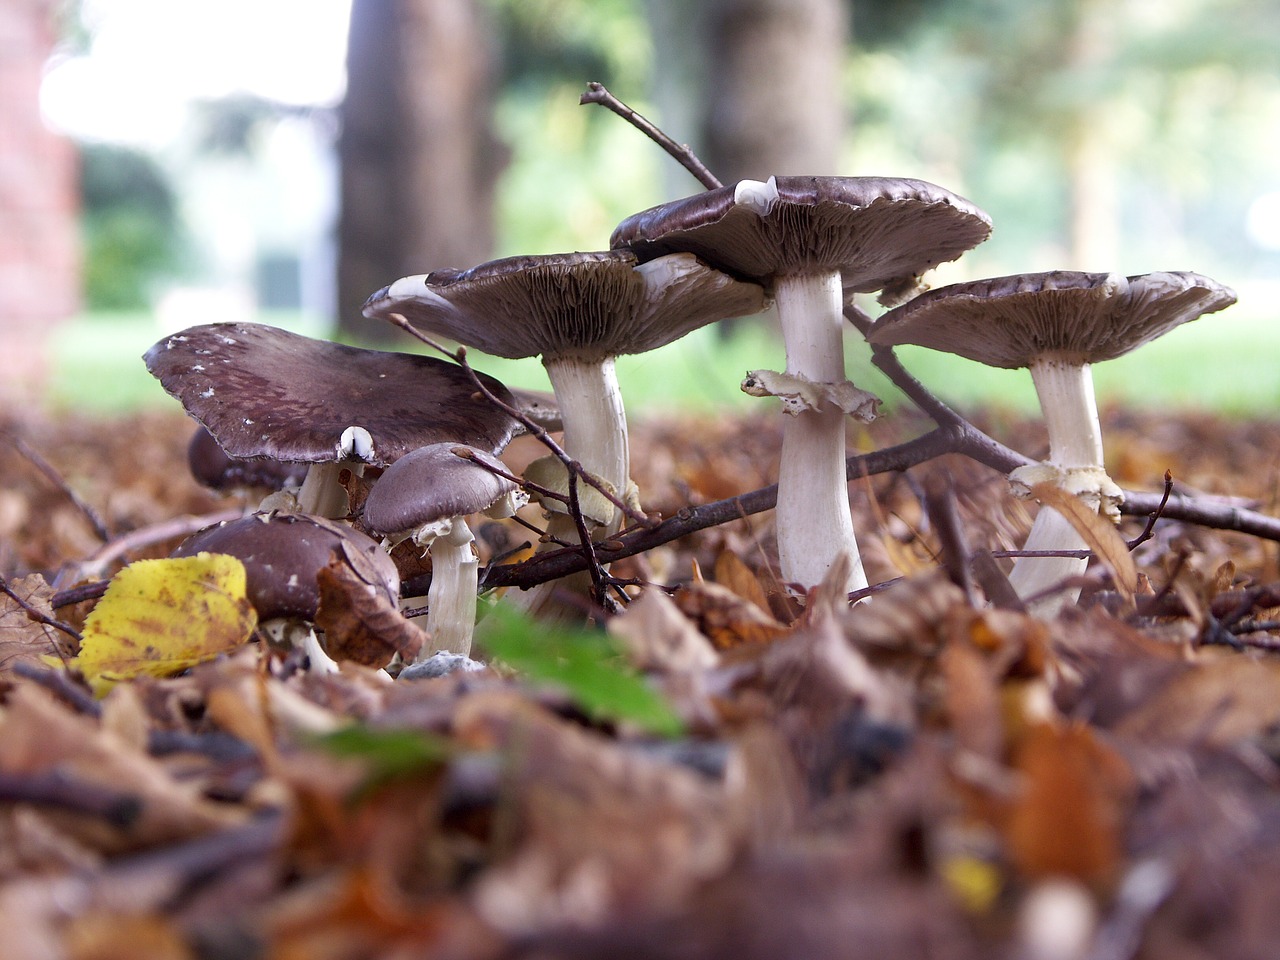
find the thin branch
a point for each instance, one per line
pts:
(1156, 514)
(596, 93)
(51, 474)
(97, 563)
(459, 357)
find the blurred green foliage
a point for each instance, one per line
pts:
(130, 224)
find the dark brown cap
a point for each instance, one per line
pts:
(433, 483)
(283, 553)
(266, 392)
(211, 466)
(874, 230)
(1077, 317)
(588, 305)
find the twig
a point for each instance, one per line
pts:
(59, 683)
(94, 566)
(1145, 535)
(596, 93)
(54, 477)
(459, 357)
(58, 790)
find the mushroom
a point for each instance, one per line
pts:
(265, 392)
(1057, 324)
(283, 554)
(810, 239)
(577, 311)
(426, 495)
(211, 466)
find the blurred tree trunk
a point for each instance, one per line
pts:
(755, 86)
(418, 152)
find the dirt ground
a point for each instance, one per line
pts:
(929, 774)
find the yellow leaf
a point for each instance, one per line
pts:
(159, 617)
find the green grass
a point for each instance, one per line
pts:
(1227, 362)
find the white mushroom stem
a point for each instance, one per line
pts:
(595, 428)
(322, 494)
(451, 598)
(813, 519)
(1070, 411)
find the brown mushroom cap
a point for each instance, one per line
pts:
(266, 392)
(874, 230)
(1078, 317)
(433, 483)
(283, 553)
(211, 466)
(588, 305)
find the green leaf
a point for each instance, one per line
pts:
(389, 753)
(587, 665)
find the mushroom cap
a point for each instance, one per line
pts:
(1068, 315)
(283, 553)
(433, 483)
(874, 230)
(211, 467)
(588, 305)
(265, 392)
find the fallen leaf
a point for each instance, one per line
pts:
(585, 664)
(359, 622)
(1099, 534)
(160, 617)
(726, 618)
(1220, 702)
(1068, 817)
(23, 639)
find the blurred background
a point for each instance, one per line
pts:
(165, 163)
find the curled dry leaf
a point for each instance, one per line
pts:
(725, 618)
(1097, 531)
(359, 622)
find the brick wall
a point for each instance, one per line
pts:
(39, 247)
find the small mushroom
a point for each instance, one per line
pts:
(265, 392)
(426, 495)
(1057, 324)
(283, 554)
(211, 466)
(810, 239)
(577, 311)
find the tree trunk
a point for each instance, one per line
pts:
(420, 159)
(767, 82)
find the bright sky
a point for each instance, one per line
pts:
(149, 58)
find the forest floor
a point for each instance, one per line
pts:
(924, 775)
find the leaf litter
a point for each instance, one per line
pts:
(721, 773)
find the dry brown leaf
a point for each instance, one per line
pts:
(1067, 818)
(22, 639)
(1219, 702)
(359, 623)
(733, 573)
(112, 936)
(596, 821)
(1098, 533)
(659, 637)
(40, 735)
(726, 618)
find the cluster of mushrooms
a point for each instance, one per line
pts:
(806, 245)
